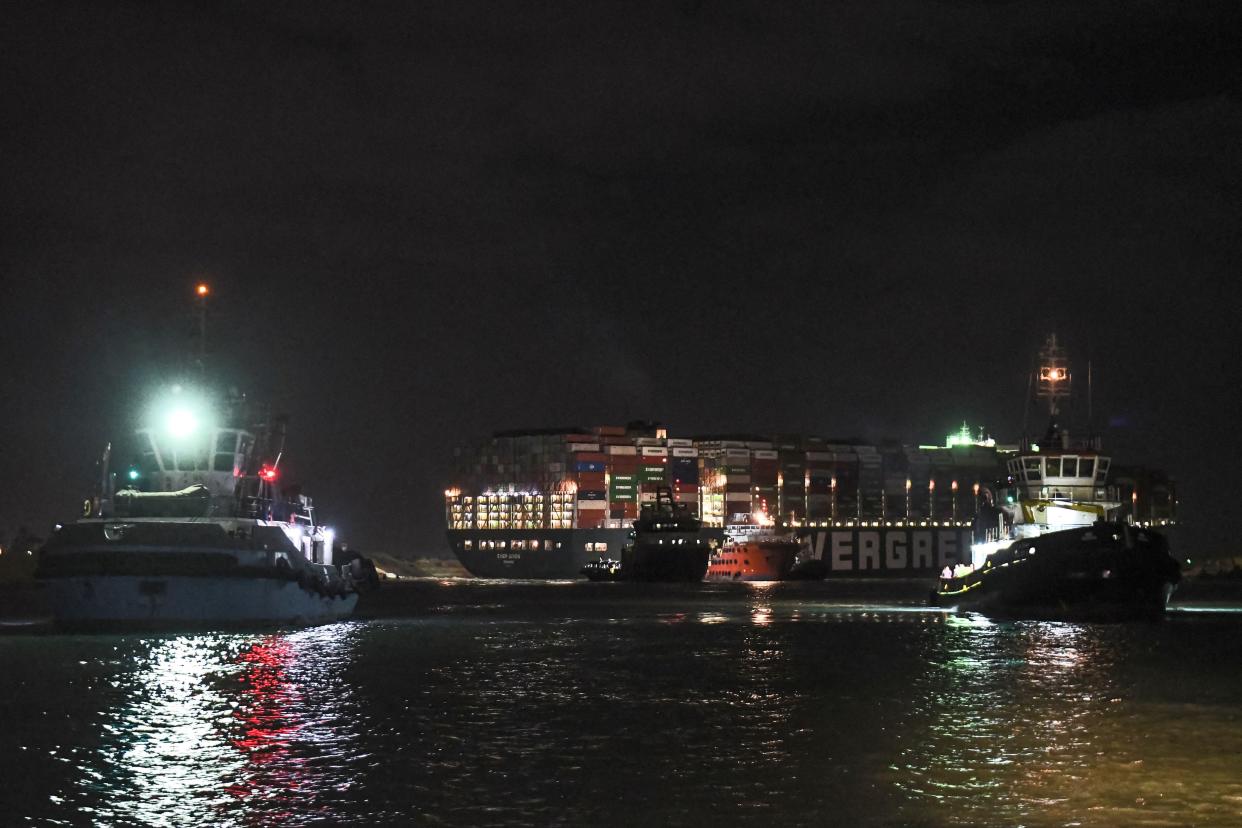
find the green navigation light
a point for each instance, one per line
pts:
(134, 474)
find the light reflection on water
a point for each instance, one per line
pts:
(743, 706)
(203, 727)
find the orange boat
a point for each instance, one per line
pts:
(757, 557)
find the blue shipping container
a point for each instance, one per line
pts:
(587, 466)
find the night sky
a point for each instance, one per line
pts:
(425, 222)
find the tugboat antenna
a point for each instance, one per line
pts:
(201, 291)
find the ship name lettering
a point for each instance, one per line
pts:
(921, 547)
(948, 548)
(868, 550)
(895, 550)
(842, 551)
(817, 546)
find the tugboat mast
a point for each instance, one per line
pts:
(201, 291)
(1053, 383)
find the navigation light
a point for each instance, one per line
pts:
(133, 473)
(202, 289)
(267, 473)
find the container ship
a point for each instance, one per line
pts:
(543, 503)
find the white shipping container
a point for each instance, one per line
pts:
(679, 441)
(653, 451)
(765, 455)
(735, 478)
(629, 451)
(584, 446)
(685, 452)
(583, 505)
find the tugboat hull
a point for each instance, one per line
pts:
(651, 562)
(91, 602)
(1106, 571)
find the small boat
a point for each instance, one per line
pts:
(668, 544)
(605, 569)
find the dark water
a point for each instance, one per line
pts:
(613, 704)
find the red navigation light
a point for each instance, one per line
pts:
(267, 473)
(202, 289)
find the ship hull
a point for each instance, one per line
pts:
(841, 552)
(540, 554)
(99, 601)
(884, 551)
(652, 562)
(754, 561)
(1105, 572)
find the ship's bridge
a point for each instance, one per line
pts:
(214, 458)
(1079, 477)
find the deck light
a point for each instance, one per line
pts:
(181, 422)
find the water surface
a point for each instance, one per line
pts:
(468, 703)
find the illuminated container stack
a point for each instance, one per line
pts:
(684, 472)
(597, 479)
(652, 468)
(764, 477)
(623, 480)
(791, 479)
(589, 466)
(821, 484)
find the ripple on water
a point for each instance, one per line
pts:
(749, 707)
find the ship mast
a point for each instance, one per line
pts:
(201, 291)
(1052, 383)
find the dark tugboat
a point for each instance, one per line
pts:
(1053, 545)
(668, 544)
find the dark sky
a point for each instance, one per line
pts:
(425, 222)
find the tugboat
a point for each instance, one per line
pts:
(1054, 544)
(196, 531)
(754, 552)
(668, 544)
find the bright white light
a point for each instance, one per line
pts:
(181, 422)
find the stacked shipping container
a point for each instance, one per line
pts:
(600, 477)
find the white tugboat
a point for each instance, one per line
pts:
(196, 531)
